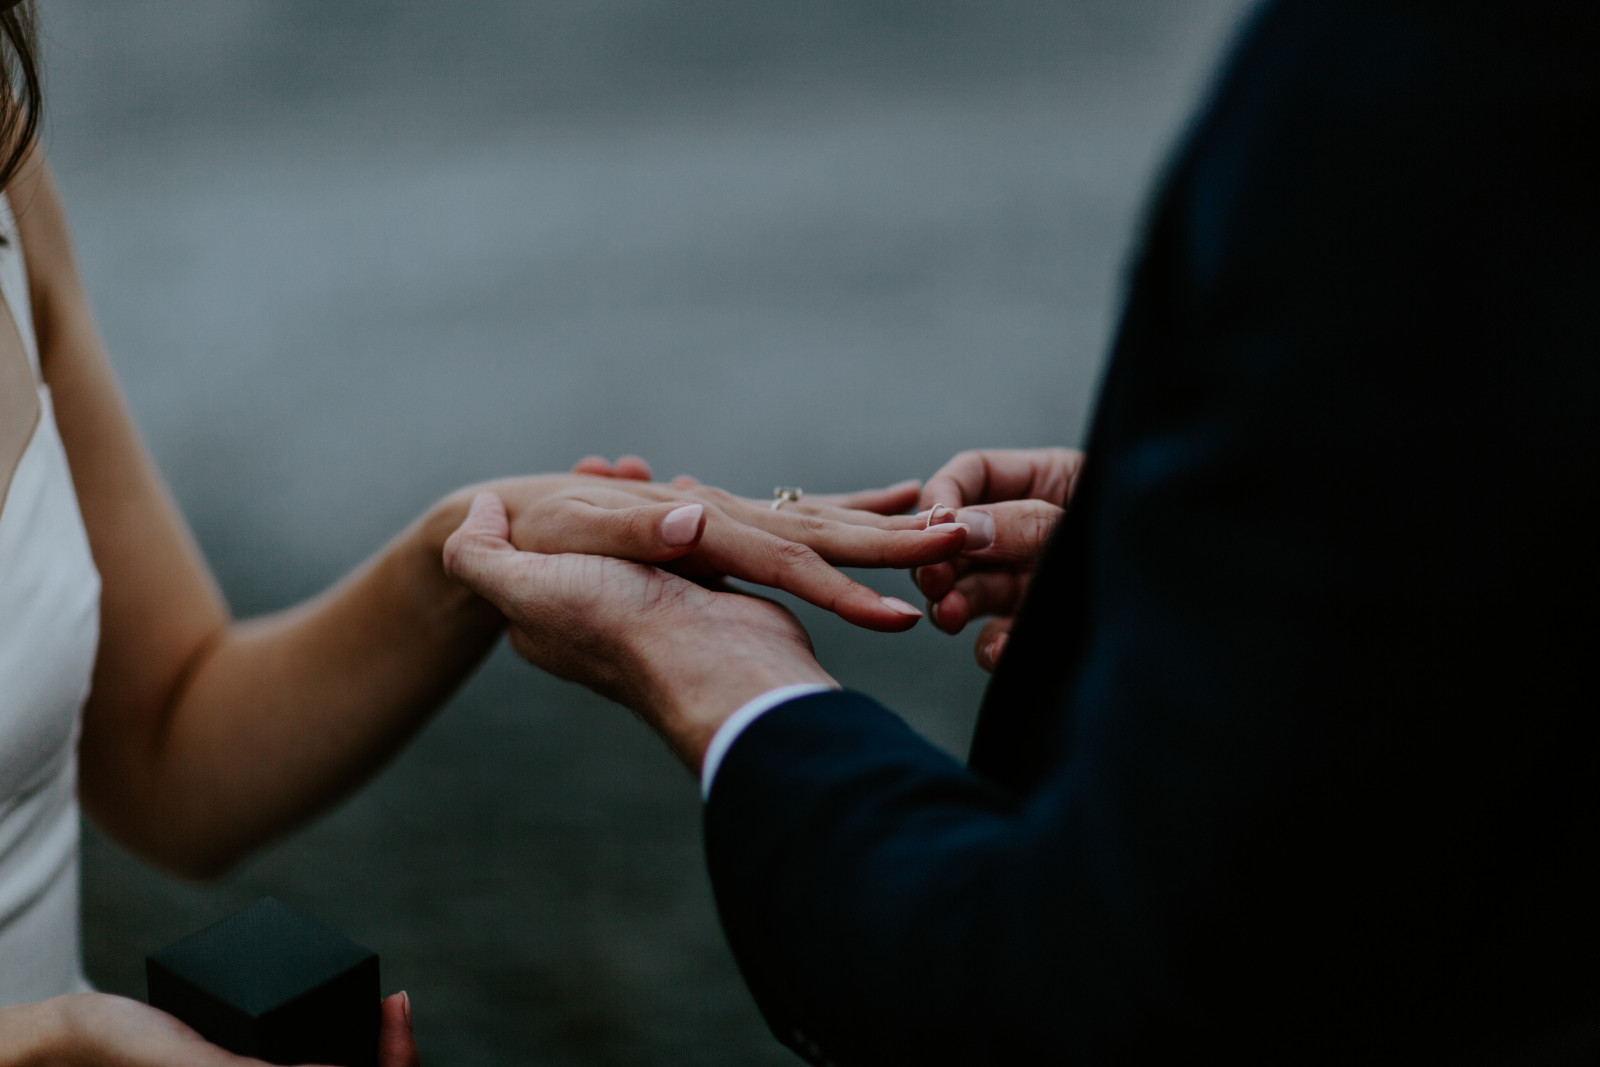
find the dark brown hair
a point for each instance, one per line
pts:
(20, 93)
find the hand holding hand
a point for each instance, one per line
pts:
(682, 656)
(708, 534)
(1011, 499)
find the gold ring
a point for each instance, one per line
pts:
(786, 494)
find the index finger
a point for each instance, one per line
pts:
(890, 500)
(986, 476)
(849, 543)
(754, 555)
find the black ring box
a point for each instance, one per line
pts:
(271, 983)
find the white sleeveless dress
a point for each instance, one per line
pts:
(49, 629)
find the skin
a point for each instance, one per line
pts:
(319, 696)
(681, 655)
(97, 1030)
(19, 402)
(1018, 495)
(685, 657)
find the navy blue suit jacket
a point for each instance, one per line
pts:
(1288, 759)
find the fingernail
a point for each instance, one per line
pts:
(896, 604)
(405, 1006)
(909, 483)
(941, 514)
(980, 529)
(681, 524)
(997, 646)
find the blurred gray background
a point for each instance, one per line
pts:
(350, 256)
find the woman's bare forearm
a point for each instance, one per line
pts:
(203, 738)
(275, 719)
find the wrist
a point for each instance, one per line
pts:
(445, 603)
(691, 692)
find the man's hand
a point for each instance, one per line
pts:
(1010, 500)
(682, 656)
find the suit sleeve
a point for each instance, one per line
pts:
(887, 906)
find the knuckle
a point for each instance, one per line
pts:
(1038, 524)
(452, 554)
(793, 555)
(554, 524)
(458, 552)
(813, 525)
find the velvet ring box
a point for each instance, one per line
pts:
(270, 983)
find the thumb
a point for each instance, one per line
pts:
(396, 1045)
(648, 533)
(1021, 529)
(474, 552)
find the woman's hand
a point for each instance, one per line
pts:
(890, 500)
(1011, 499)
(707, 534)
(99, 1030)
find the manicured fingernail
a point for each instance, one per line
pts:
(896, 604)
(941, 514)
(997, 646)
(980, 529)
(405, 1006)
(681, 524)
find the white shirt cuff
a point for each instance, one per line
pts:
(735, 725)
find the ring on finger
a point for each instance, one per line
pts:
(786, 494)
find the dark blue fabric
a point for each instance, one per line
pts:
(1289, 756)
